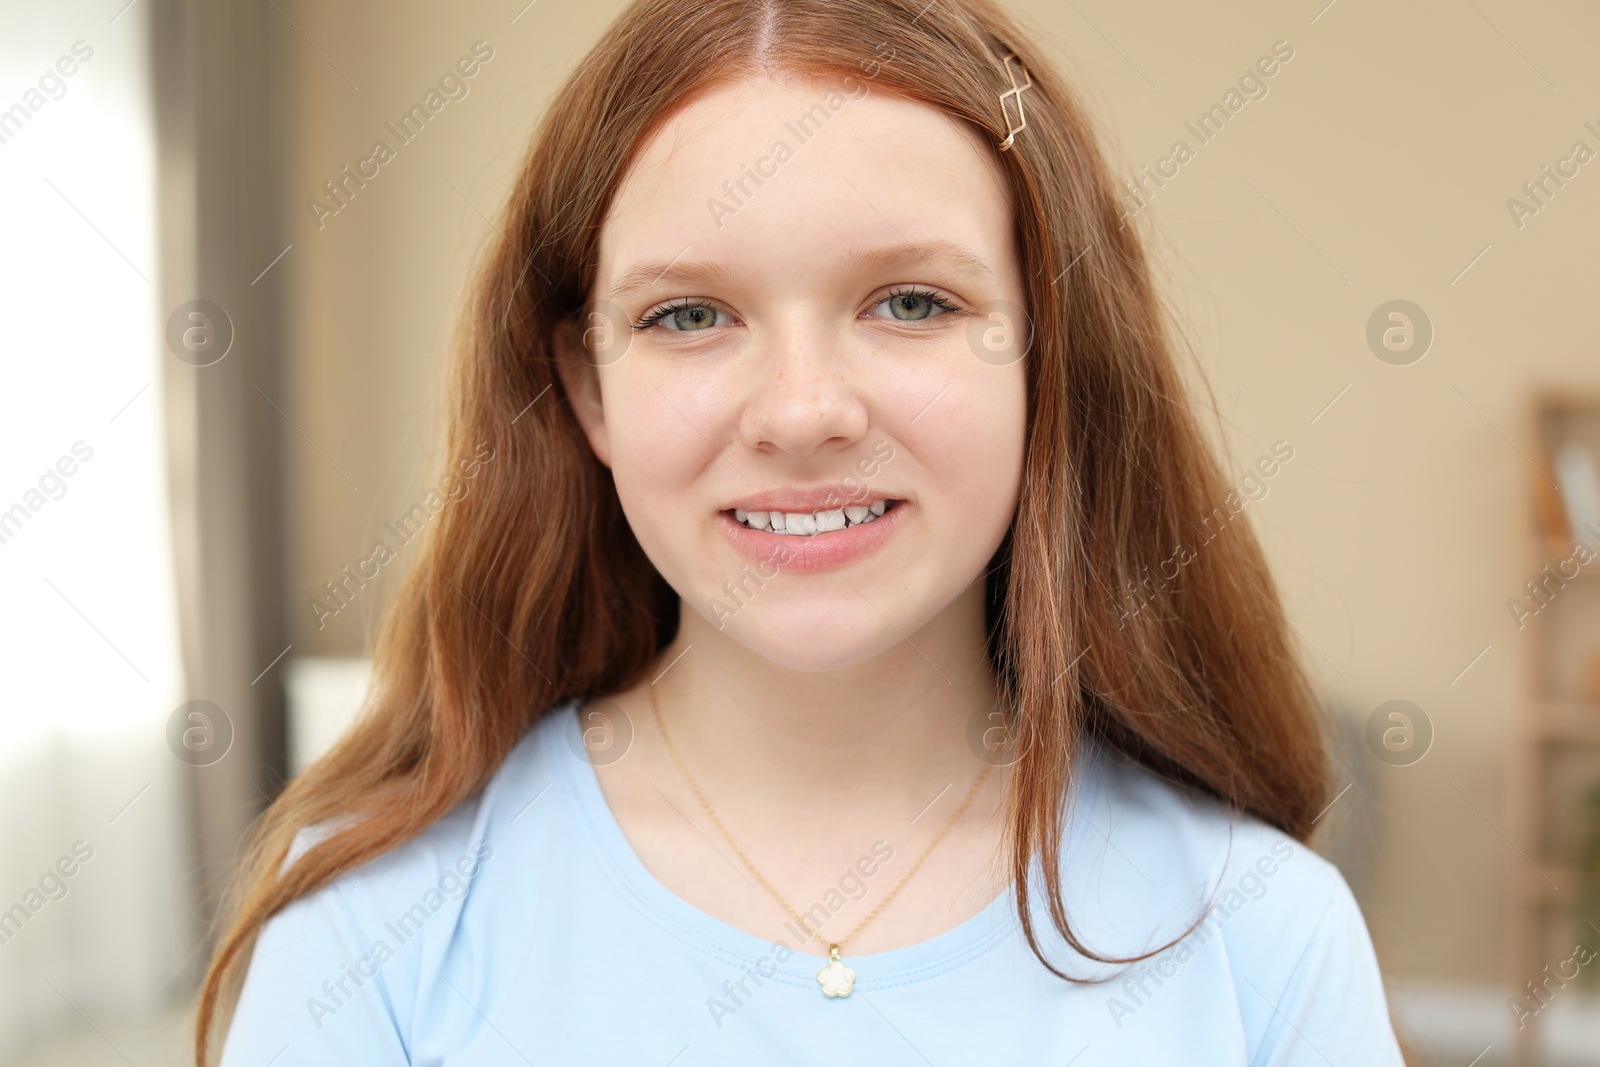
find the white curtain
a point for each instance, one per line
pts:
(91, 798)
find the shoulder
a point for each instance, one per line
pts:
(462, 832)
(1168, 844)
(456, 846)
(340, 968)
(1150, 861)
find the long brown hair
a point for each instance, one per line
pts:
(531, 588)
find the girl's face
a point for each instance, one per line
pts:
(809, 311)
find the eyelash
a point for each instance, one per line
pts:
(939, 301)
(655, 315)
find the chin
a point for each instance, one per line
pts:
(816, 641)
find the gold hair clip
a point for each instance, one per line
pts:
(1014, 91)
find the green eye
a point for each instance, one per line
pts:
(694, 317)
(914, 305)
(684, 316)
(911, 305)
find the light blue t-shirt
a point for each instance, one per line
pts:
(523, 929)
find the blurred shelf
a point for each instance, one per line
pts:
(1545, 890)
(1559, 890)
(1567, 721)
(1588, 574)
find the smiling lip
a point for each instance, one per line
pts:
(816, 552)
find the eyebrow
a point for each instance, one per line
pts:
(934, 253)
(647, 274)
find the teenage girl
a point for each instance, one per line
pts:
(824, 665)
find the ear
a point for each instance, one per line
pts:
(580, 378)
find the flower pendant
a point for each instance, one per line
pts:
(836, 978)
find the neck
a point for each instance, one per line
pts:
(758, 732)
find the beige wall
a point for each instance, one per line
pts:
(1377, 167)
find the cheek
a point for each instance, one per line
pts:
(969, 449)
(659, 433)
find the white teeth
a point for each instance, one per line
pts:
(804, 524)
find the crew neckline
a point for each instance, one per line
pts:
(730, 944)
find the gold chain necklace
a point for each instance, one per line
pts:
(836, 979)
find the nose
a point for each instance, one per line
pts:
(803, 398)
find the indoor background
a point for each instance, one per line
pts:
(1383, 255)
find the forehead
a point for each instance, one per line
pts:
(772, 176)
